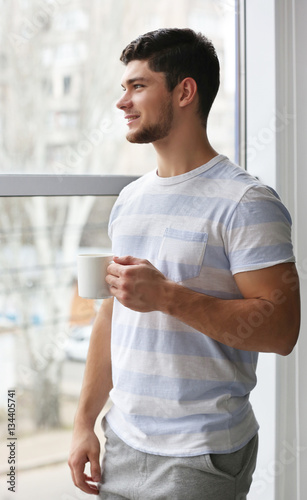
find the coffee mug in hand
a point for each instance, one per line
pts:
(92, 271)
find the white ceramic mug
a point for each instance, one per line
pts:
(92, 270)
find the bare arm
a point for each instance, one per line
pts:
(267, 319)
(96, 386)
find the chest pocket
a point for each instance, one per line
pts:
(181, 254)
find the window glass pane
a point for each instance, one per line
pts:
(60, 79)
(44, 329)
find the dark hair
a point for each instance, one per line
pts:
(180, 53)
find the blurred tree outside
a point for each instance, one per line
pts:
(59, 80)
(60, 130)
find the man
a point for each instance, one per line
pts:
(203, 279)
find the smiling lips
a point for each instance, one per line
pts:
(131, 118)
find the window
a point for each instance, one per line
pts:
(66, 85)
(71, 20)
(47, 86)
(41, 319)
(66, 137)
(63, 119)
(91, 55)
(70, 54)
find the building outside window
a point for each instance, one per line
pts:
(66, 85)
(58, 118)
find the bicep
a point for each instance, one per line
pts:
(270, 282)
(279, 287)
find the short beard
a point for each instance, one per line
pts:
(157, 131)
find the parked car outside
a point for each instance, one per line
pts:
(77, 345)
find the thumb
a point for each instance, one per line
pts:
(127, 260)
(95, 468)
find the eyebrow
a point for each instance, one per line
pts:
(136, 79)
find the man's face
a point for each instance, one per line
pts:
(146, 102)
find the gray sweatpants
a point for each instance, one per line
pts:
(132, 474)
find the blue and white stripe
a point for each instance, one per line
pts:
(175, 391)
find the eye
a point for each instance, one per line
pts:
(138, 85)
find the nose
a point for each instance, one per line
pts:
(124, 102)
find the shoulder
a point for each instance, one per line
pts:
(230, 180)
(251, 187)
(240, 195)
(136, 186)
(262, 203)
(129, 195)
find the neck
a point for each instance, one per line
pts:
(183, 152)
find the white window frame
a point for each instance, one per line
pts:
(260, 148)
(14, 185)
(291, 78)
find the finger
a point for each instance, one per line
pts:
(95, 469)
(113, 269)
(85, 486)
(112, 280)
(93, 488)
(127, 260)
(80, 480)
(72, 475)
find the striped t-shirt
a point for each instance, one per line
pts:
(177, 392)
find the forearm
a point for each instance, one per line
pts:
(266, 319)
(248, 324)
(97, 381)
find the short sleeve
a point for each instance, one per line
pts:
(259, 232)
(116, 209)
(112, 217)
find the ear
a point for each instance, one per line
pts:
(188, 91)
